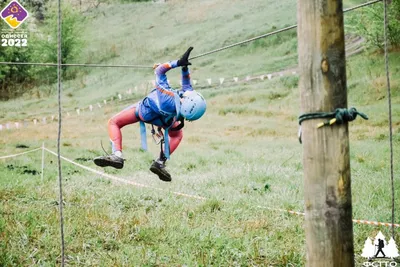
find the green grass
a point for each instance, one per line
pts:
(243, 156)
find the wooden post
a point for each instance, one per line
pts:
(327, 183)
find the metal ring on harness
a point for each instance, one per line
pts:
(158, 136)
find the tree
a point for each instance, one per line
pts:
(368, 22)
(18, 79)
(12, 75)
(37, 8)
(71, 41)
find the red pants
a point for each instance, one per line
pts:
(127, 116)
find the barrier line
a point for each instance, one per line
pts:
(376, 223)
(111, 177)
(354, 220)
(19, 154)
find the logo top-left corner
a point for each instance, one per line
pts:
(14, 14)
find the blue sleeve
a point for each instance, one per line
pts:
(161, 77)
(165, 94)
(186, 85)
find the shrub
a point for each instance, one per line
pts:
(12, 74)
(368, 22)
(18, 79)
(36, 7)
(71, 41)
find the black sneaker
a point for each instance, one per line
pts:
(110, 160)
(159, 169)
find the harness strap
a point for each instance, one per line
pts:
(166, 136)
(180, 126)
(143, 135)
(143, 138)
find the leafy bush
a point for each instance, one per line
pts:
(71, 41)
(42, 48)
(36, 7)
(368, 22)
(12, 74)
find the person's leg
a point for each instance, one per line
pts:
(125, 117)
(175, 138)
(158, 166)
(115, 124)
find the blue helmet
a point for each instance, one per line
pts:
(193, 105)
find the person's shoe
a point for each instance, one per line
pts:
(159, 169)
(109, 161)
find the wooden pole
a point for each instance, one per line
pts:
(327, 183)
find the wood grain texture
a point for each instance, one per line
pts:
(327, 182)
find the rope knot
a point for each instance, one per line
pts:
(339, 116)
(344, 115)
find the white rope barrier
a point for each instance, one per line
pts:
(122, 180)
(19, 154)
(111, 177)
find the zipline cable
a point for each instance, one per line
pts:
(386, 24)
(274, 32)
(60, 204)
(197, 56)
(244, 42)
(361, 5)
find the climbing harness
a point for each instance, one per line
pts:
(158, 136)
(339, 116)
(165, 138)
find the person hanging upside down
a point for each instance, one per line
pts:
(164, 108)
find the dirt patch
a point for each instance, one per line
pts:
(21, 146)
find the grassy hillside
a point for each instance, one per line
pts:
(243, 156)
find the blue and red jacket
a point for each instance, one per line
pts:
(159, 106)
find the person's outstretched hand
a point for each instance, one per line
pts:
(184, 60)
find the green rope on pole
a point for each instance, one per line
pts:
(339, 116)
